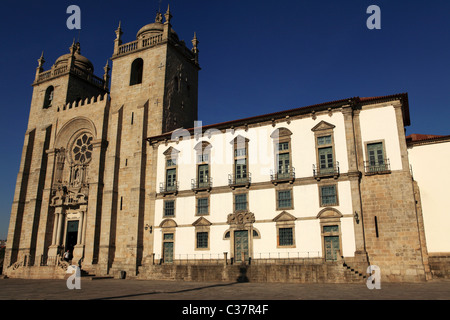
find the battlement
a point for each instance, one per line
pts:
(82, 102)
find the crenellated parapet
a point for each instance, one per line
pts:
(93, 101)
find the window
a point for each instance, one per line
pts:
(377, 162)
(283, 146)
(203, 158)
(171, 178)
(202, 240)
(324, 140)
(171, 163)
(48, 99)
(326, 164)
(170, 184)
(137, 68)
(375, 151)
(330, 229)
(202, 180)
(328, 195)
(240, 152)
(282, 150)
(240, 176)
(202, 206)
(240, 202)
(169, 208)
(285, 237)
(285, 225)
(284, 199)
(203, 175)
(82, 149)
(241, 170)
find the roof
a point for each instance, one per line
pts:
(355, 102)
(418, 139)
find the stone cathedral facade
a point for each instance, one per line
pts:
(122, 177)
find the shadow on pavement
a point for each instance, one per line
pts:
(168, 292)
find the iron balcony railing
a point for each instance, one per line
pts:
(168, 187)
(201, 184)
(240, 180)
(330, 171)
(380, 166)
(287, 174)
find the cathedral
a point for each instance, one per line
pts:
(117, 171)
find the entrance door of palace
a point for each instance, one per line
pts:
(241, 245)
(331, 248)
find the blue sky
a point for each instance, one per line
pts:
(257, 57)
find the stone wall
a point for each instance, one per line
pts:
(440, 265)
(333, 272)
(392, 232)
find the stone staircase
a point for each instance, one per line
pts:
(86, 275)
(353, 270)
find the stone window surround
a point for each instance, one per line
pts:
(285, 220)
(203, 195)
(202, 148)
(170, 154)
(287, 187)
(237, 192)
(327, 131)
(169, 198)
(366, 152)
(326, 184)
(281, 135)
(240, 142)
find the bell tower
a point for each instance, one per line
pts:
(158, 69)
(37, 225)
(154, 85)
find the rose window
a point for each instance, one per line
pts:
(82, 149)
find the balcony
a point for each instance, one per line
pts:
(326, 172)
(377, 167)
(204, 185)
(166, 188)
(242, 180)
(286, 175)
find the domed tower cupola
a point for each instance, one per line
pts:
(74, 58)
(155, 29)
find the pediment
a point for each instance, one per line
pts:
(201, 222)
(323, 125)
(329, 213)
(171, 151)
(168, 223)
(284, 216)
(239, 140)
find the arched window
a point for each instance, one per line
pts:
(137, 68)
(48, 97)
